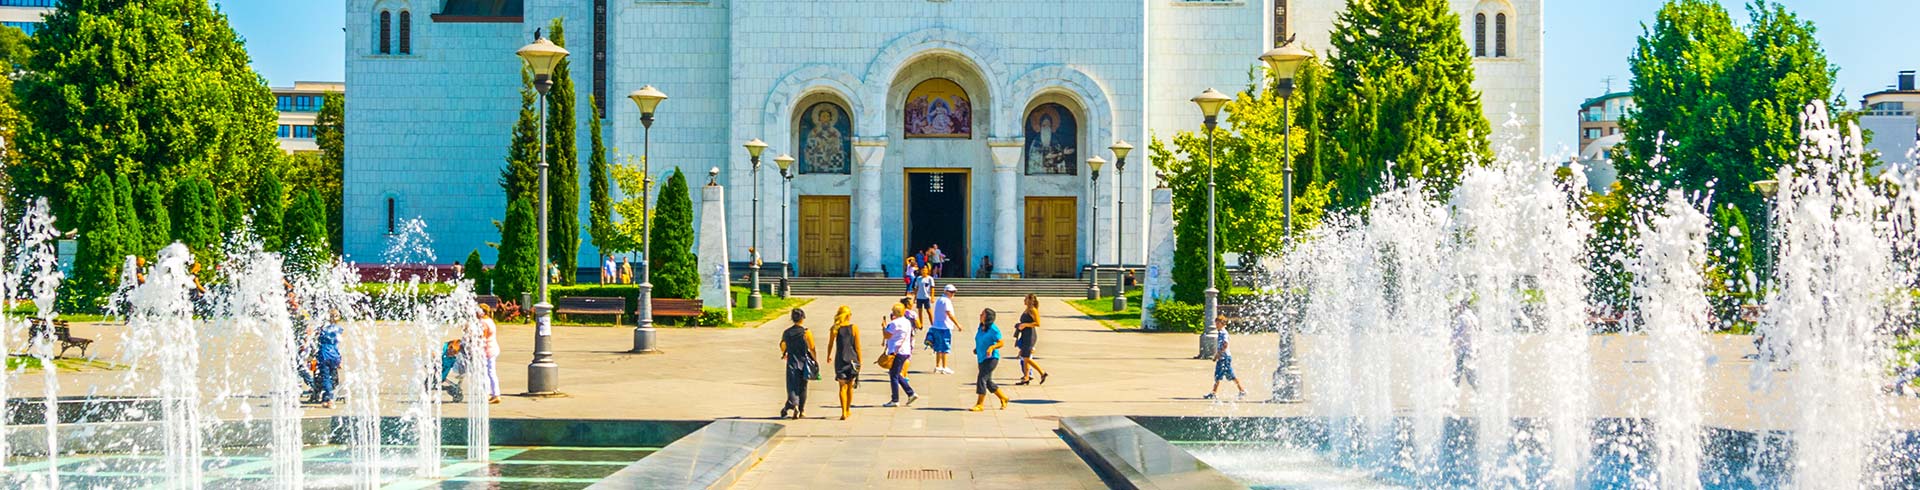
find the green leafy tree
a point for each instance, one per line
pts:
(100, 250)
(305, 234)
(155, 226)
(563, 157)
(330, 134)
(160, 89)
(1731, 267)
(626, 232)
(599, 203)
(128, 217)
(514, 273)
(269, 207)
(676, 270)
(1400, 99)
(14, 48)
(476, 270)
(233, 214)
(196, 217)
(1610, 248)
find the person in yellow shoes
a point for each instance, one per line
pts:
(986, 349)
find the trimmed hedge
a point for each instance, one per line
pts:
(1177, 316)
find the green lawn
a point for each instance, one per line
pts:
(773, 307)
(1102, 310)
(62, 363)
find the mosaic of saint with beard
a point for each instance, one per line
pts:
(1052, 141)
(825, 140)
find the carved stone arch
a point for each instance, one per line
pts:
(777, 112)
(1096, 119)
(909, 48)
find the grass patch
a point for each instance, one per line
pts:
(60, 363)
(772, 307)
(1102, 310)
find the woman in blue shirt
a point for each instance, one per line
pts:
(328, 355)
(986, 348)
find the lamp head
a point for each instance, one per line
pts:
(784, 161)
(647, 99)
(1284, 61)
(1766, 188)
(1120, 150)
(713, 176)
(754, 147)
(541, 55)
(1096, 162)
(1210, 102)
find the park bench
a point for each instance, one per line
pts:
(674, 307)
(62, 332)
(590, 305)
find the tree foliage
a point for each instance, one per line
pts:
(599, 203)
(476, 270)
(676, 269)
(305, 235)
(195, 216)
(100, 250)
(269, 208)
(330, 134)
(513, 273)
(156, 227)
(563, 157)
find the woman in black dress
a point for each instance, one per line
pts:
(796, 347)
(1025, 335)
(844, 338)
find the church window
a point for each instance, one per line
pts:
(390, 221)
(406, 32)
(1500, 35)
(1479, 34)
(386, 32)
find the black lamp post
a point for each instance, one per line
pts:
(1093, 198)
(754, 148)
(1210, 103)
(543, 374)
(785, 162)
(1120, 150)
(644, 337)
(1283, 62)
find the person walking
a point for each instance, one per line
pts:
(796, 347)
(1026, 334)
(487, 349)
(939, 260)
(986, 350)
(843, 352)
(899, 342)
(453, 368)
(1462, 342)
(327, 356)
(940, 331)
(923, 296)
(1223, 363)
(908, 272)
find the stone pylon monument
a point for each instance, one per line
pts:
(715, 286)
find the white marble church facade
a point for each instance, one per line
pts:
(959, 122)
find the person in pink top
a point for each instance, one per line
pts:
(489, 348)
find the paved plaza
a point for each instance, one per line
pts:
(707, 374)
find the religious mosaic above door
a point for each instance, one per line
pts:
(1052, 141)
(826, 139)
(938, 108)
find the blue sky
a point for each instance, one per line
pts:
(1588, 41)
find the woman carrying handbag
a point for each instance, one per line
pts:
(796, 347)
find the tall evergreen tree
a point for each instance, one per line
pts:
(153, 88)
(521, 177)
(676, 270)
(563, 157)
(269, 207)
(196, 216)
(599, 201)
(1400, 98)
(514, 273)
(100, 250)
(476, 270)
(305, 234)
(156, 227)
(129, 218)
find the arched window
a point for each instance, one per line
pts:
(1480, 34)
(386, 32)
(390, 220)
(1500, 35)
(406, 32)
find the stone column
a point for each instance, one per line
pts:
(1007, 218)
(1158, 283)
(869, 153)
(713, 250)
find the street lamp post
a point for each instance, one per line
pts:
(785, 162)
(1120, 150)
(1283, 62)
(543, 374)
(1093, 197)
(644, 337)
(1210, 103)
(754, 148)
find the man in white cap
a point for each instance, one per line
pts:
(940, 332)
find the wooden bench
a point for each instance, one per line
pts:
(590, 305)
(674, 307)
(62, 332)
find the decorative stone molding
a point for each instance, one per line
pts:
(904, 50)
(776, 114)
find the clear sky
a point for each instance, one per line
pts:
(1588, 41)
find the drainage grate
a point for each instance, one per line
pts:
(920, 475)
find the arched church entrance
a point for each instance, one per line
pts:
(939, 114)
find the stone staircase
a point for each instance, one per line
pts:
(894, 286)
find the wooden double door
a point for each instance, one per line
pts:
(825, 240)
(1052, 239)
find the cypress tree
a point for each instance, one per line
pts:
(514, 273)
(269, 208)
(521, 178)
(599, 202)
(155, 227)
(305, 234)
(233, 213)
(563, 159)
(1401, 98)
(195, 219)
(476, 270)
(676, 270)
(100, 250)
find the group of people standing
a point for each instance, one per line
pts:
(906, 319)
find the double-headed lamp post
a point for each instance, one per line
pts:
(785, 162)
(1283, 62)
(543, 374)
(644, 339)
(1120, 150)
(754, 148)
(1210, 103)
(1093, 197)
